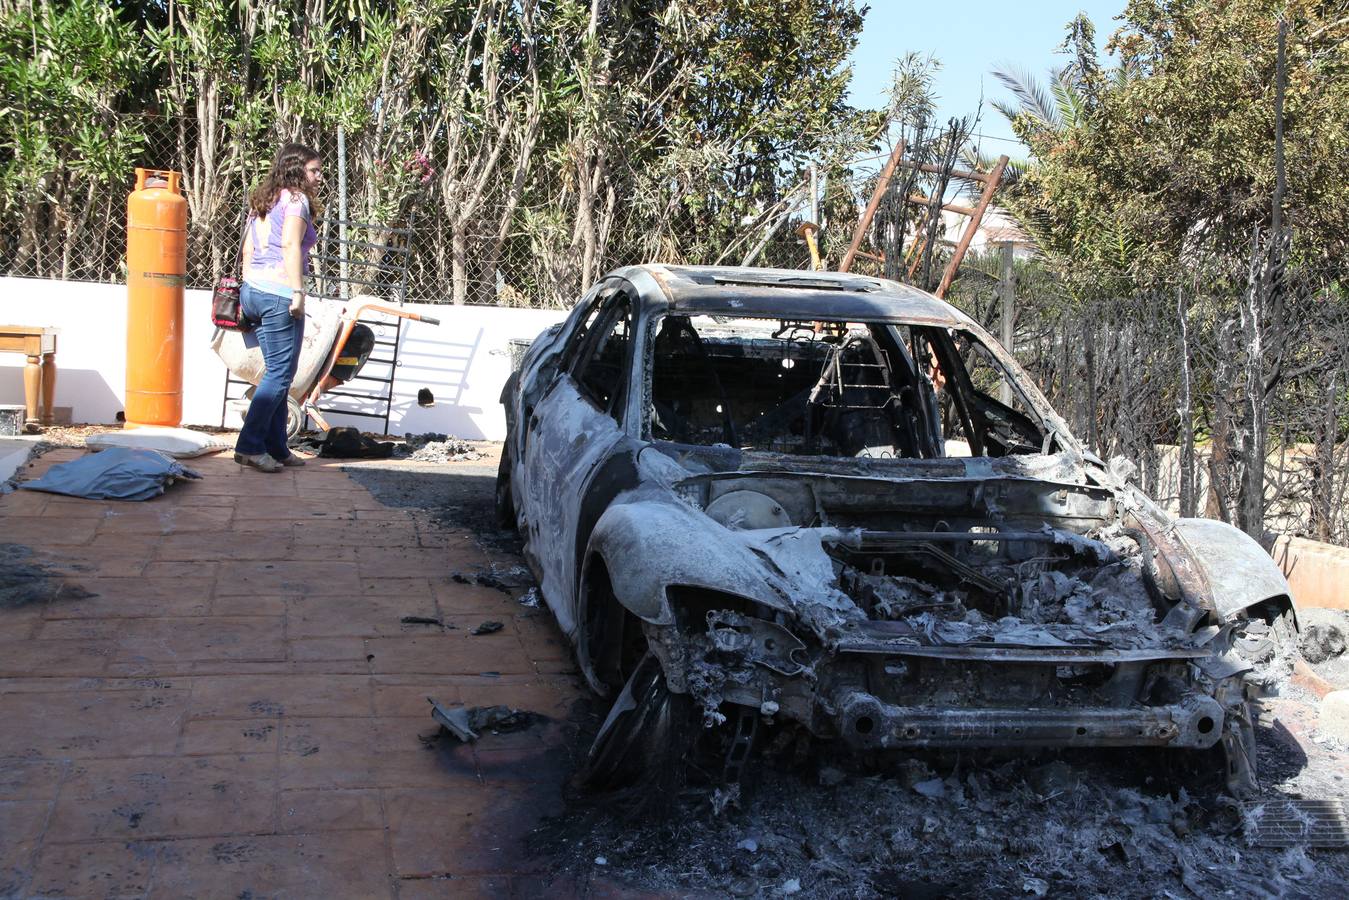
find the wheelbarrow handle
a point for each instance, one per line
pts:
(429, 320)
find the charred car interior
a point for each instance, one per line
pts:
(761, 501)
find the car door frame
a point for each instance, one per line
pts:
(553, 551)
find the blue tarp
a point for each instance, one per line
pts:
(117, 474)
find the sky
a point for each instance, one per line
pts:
(970, 38)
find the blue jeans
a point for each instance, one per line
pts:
(279, 335)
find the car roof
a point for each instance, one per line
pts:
(792, 294)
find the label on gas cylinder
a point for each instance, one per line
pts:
(166, 278)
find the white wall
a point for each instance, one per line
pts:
(464, 361)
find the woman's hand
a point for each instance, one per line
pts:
(297, 304)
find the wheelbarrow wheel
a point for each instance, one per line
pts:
(294, 417)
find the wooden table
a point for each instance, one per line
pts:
(39, 374)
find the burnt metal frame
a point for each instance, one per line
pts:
(331, 282)
(989, 180)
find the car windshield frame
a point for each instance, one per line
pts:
(1036, 409)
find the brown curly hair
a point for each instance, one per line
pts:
(287, 172)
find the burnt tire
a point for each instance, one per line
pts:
(505, 497)
(643, 740)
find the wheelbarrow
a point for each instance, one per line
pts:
(334, 348)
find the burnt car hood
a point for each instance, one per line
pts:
(809, 574)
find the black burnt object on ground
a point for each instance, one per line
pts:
(25, 581)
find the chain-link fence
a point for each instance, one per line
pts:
(404, 234)
(399, 234)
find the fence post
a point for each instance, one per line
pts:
(342, 266)
(1007, 293)
(814, 194)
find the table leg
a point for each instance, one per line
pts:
(32, 381)
(48, 388)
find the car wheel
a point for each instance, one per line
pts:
(505, 498)
(643, 739)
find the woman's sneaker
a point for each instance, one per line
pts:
(260, 461)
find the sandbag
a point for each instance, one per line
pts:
(115, 474)
(180, 443)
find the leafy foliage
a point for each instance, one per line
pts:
(575, 134)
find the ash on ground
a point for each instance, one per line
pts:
(435, 447)
(1068, 825)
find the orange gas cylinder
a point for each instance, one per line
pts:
(156, 263)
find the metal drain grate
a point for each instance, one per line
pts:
(1298, 823)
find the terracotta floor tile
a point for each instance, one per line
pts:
(395, 586)
(136, 598)
(106, 684)
(332, 864)
(91, 724)
(21, 623)
(242, 487)
(107, 545)
(79, 629)
(51, 531)
(24, 503)
(104, 869)
(109, 565)
(328, 753)
(470, 599)
(465, 829)
(21, 826)
(541, 645)
(409, 700)
(308, 811)
(297, 576)
(185, 639)
(344, 654)
(211, 737)
(31, 779)
(326, 552)
(237, 547)
(471, 887)
(248, 696)
(377, 512)
(166, 797)
(193, 569)
(448, 654)
(156, 518)
(191, 495)
(77, 507)
(406, 562)
(248, 605)
(285, 667)
(353, 534)
(351, 615)
(303, 509)
(65, 658)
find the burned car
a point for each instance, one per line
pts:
(760, 499)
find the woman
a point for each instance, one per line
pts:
(277, 242)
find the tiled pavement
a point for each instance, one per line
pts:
(221, 700)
